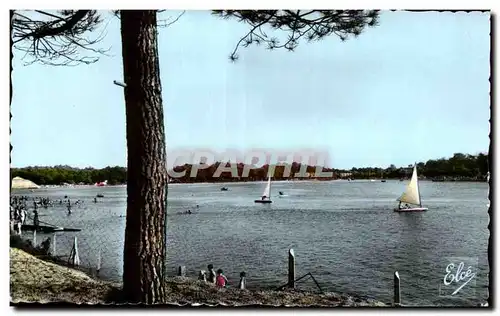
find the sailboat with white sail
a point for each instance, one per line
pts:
(411, 196)
(266, 195)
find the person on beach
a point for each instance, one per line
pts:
(17, 221)
(17, 213)
(18, 227)
(211, 274)
(202, 276)
(23, 216)
(220, 280)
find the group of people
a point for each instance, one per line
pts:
(37, 201)
(405, 206)
(17, 203)
(19, 209)
(264, 197)
(19, 213)
(189, 210)
(218, 278)
(44, 202)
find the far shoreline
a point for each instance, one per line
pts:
(82, 186)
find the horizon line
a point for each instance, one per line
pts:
(284, 163)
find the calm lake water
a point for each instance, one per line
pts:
(344, 233)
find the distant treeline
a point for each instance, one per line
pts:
(58, 175)
(458, 167)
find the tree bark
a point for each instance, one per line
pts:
(145, 232)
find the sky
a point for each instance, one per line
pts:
(416, 87)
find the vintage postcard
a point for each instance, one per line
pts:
(284, 158)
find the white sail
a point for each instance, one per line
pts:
(411, 195)
(267, 190)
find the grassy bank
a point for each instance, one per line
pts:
(36, 280)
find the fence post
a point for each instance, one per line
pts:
(98, 261)
(34, 238)
(291, 268)
(182, 271)
(74, 258)
(397, 289)
(243, 281)
(54, 249)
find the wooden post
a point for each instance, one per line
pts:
(182, 271)
(291, 269)
(54, 249)
(74, 258)
(34, 238)
(397, 289)
(98, 261)
(243, 281)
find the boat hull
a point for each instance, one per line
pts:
(413, 209)
(263, 201)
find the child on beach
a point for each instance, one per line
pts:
(220, 280)
(211, 274)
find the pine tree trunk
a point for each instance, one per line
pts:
(145, 233)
